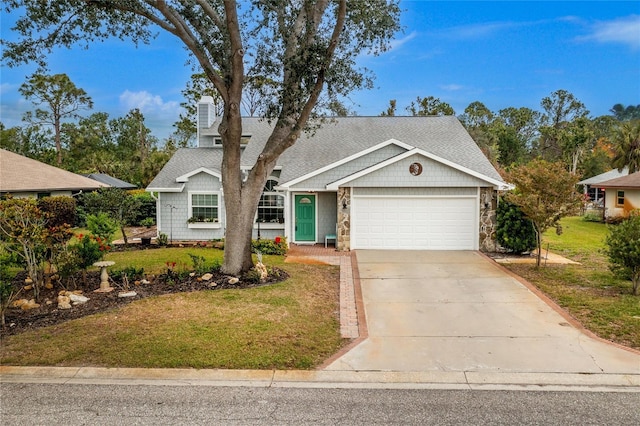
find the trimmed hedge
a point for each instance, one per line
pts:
(275, 247)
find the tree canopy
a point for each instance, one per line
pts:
(61, 98)
(307, 48)
(545, 192)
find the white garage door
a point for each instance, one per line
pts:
(414, 223)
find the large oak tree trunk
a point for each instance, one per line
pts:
(237, 246)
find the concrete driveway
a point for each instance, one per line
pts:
(458, 311)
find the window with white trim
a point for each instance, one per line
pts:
(620, 199)
(271, 205)
(204, 207)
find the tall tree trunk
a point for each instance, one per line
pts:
(539, 243)
(237, 245)
(58, 140)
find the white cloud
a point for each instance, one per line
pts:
(159, 115)
(475, 31)
(625, 30)
(451, 87)
(6, 88)
(147, 102)
(398, 43)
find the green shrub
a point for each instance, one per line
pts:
(60, 210)
(623, 250)
(592, 217)
(101, 225)
(130, 272)
(148, 222)
(147, 209)
(514, 231)
(163, 239)
(90, 249)
(274, 247)
(67, 262)
(198, 263)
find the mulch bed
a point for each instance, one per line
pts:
(18, 320)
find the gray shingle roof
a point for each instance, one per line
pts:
(110, 180)
(186, 160)
(336, 139)
(611, 174)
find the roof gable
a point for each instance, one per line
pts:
(352, 158)
(185, 177)
(408, 154)
(184, 163)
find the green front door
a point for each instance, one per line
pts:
(305, 217)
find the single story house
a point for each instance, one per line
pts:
(591, 186)
(622, 195)
(358, 182)
(24, 177)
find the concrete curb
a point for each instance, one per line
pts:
(462, 380)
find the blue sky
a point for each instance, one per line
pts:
(502, 53)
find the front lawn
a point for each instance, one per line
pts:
(292, 324)
(588, 291)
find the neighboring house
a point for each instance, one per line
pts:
(622, 195)
(110, 180)
(374, 182)
(24, 177)
(591, 186)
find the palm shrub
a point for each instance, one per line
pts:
(623, 250)
(514, 231)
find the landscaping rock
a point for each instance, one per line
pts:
(31, 304)
(233, 280)
(207, 277)
(123, 294)
(78, 299)
(64, 302)
(262, 270)
(25, 304)
(18, 303)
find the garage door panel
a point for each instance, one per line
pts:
(415, 223)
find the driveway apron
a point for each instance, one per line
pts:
(458, 311)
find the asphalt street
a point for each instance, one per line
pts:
(65, 404)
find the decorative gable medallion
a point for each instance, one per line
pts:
(415, 169)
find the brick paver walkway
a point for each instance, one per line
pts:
(348, 310)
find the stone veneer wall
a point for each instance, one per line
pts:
(487, 238)
(487, 241)
(344, 220)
